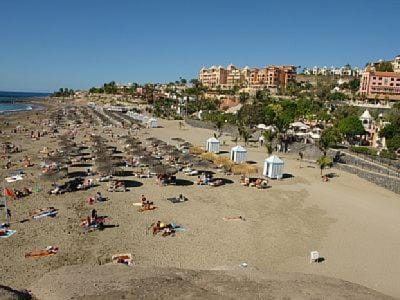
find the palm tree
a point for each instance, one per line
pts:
(323, 162)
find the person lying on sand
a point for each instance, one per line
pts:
(239, 218)
(50, 250)
(157, 227)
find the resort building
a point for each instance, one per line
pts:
(333, 71)
(213, 77)
(380, 85)
(396, 64)
(270, 77)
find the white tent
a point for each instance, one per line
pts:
(273, 167)
(238, 154)
(212, 145)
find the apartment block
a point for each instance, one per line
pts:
(380, 85)
(270, 77)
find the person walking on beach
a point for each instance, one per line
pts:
(8, 215)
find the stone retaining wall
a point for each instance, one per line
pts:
(227, 128)
(343, 158)
(391, 184)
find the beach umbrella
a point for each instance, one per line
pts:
(244, 169)
(208, 156)
(150, 161)
(224, 162)
(163, 170)
(186, 145)
(196, 150)
(177, 139)
(186, 158)
(54, 175)
(174, 153)
(205, 164)
(138, 152)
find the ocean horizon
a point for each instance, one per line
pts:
(13, 101)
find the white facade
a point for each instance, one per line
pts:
(238, 154)
(212, 145)
(273, 167)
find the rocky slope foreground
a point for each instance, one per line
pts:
(7, 293)
(122, 282)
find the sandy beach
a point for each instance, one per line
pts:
(354, 224)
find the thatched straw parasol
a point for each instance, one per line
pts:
(224, 162)
(196, 150)
(177, 139)
(208, 156)
(204, 164)
(244, 169)
(54, 175)
(149, 161)
(163, 170)
(186, 158)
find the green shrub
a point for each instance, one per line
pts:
(364, 150)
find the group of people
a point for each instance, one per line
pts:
(94, 221)
(146, 204)
(166, 229)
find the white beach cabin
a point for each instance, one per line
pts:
(238, 154)
(212, 145)
(273, 167)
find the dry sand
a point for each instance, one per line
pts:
(354, 224)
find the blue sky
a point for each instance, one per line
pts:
(48, 44)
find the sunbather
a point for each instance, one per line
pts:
(50, 250)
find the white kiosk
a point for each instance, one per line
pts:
(273, 167)
(212, 145)
(238, 154)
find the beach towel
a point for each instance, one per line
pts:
(177, 227)
(177, 200)
(125, 259)
(45, 214)
(137, 204)
(50, 251)
(147, 209)
(233, 219)
(14, 178)
(8, 192)
(8, 233)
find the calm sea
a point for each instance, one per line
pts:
(14, 101)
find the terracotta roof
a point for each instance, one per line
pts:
(386, 74)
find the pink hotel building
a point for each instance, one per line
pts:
(380, 85)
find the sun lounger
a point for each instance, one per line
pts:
(14, 178)
(216, 183)
(51, 213)
(6, 233)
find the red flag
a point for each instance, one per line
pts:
(8, 192)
